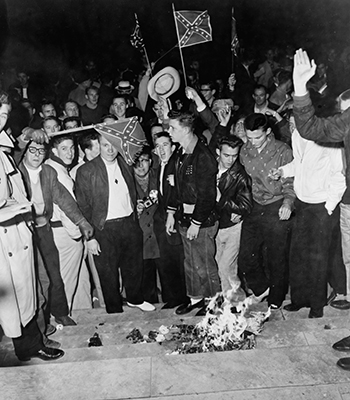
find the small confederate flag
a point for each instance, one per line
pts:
(136, 38)
(193, 27)
(234, 37)
(126, 136)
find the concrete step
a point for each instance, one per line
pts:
(234, 375)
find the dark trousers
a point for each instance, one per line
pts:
(121, 242)
(263, 255)
(310, 253)
(30, 341)
(170, 267)
(57, 300)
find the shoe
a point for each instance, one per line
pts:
(292, 307)
(202, 312)
(331, 297)
(50, 330)
(45, 354)
(65, 321)
(342, 345)
(316, 313)
(51, 343)
(143, 307)
(186, 308)
(344, 363)
(340, 304)
(116, 311)
(172, 304)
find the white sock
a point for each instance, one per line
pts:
(195, 301)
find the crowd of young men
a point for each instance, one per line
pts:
(209, 205)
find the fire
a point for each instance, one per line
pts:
(224, 327)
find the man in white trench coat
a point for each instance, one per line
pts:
(17, 274)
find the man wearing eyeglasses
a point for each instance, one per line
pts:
(44, 190)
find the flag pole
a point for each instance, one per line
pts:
(182, 59)
(232, 52)
(144, 47)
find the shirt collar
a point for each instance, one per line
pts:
(190, 145)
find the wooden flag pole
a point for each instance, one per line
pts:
(178, 39)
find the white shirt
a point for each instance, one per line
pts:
(318, 172)
(119, 201)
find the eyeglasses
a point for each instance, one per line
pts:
(34, 150)
(205, 90)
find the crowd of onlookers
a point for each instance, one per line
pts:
(225, 194)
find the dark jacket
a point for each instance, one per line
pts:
(160, 216)
(92, 190)
(53, 192)
(195, 184)
(235, 187)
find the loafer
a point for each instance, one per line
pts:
(342, 345)
(340, 304)
(65, 321)
(50, 330)
(186, 308)
(316, 313)
(201, 312)
(293, 307)
(45, 354)
(344, 363)
(145, 306)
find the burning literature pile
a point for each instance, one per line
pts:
(224, 327)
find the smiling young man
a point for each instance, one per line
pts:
(66, 235)
(192, 200)
(106, 194)
(268, 226)
(44, 190)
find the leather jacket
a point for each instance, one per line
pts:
(235, 187)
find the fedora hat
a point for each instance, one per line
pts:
(124, 87)
(164, 83)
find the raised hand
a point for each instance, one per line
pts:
(303, 71)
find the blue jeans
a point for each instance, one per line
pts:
(201, 271)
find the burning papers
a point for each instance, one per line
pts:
(223, 328)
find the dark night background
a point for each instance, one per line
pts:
(53, 35)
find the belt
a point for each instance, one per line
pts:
(27, 217)
(118, 219)
(56, 224)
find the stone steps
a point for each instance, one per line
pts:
(293, 359)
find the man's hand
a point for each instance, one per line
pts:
(303, 71)
(273, 114)
(86, 229)
(170, 223)
(193, 95)
(285, 212)
(235, 218)
(275, 174)
(37, 135)
(163, 104)
(93, 247)
(232, 82)
(192, 232)
(224, 116)
(140, 206)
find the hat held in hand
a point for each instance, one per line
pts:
(164, 83)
